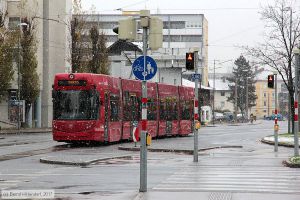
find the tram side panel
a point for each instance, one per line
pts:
(131, 91)
(186, 96)
(168, 110)
(152, 109)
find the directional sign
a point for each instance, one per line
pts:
(141, 72)
(196, 76)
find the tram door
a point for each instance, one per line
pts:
(134, 118)
(106, 117)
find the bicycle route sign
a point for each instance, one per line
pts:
(144, 73)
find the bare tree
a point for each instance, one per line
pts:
(283, 32)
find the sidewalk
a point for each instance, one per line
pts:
(25, 130)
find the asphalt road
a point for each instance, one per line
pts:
(253, 171)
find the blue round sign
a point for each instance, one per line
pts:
(141, 72)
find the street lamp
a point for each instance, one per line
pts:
(19, 66)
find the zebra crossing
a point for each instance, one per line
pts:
(8, 184)
(233, 176)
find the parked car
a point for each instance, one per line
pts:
(272, 117)
(219, 116)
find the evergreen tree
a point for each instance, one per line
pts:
(241, 73)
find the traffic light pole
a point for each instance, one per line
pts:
(143, 148)
(196, 104)
(276, 118)
(296, 122)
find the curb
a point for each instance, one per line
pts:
(185, 151)
(279, 143)
(289, 164)
(47, 161)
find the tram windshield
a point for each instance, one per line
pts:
(75, 105)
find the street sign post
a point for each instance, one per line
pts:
(144, 73)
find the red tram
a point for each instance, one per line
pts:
(94, 107)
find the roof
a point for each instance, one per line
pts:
(264, 75)
(220, 84)
(188, 83)
(122, 45)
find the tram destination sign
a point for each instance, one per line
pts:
(144, 73)
(72, 83)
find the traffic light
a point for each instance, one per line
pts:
(189, 61)
(127, 29)
(270, 81)
(155, 33)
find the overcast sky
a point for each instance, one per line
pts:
(231, 23)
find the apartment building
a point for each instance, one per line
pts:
(51, 19)
(181, 32)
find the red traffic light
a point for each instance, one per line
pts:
(270, 81)
(189, 61)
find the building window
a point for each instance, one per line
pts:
(175, 81)
(222, 93)
(265, 103)
(265, 111)
(265, 94)
(182, 38)
(13, 22)
(162, 80)
(174, 25)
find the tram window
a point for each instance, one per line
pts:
(185, 110)
(152, 109)
(76, 105)
(114, 108)
(162, 110)
(132, 105)
(175, 110)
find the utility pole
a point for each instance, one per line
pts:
(236, 99)
(247, 99)
(289, 113)
(214, 90)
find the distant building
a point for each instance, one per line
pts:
(50, 17)
(265, 102)
(222, 92)
(181, 32)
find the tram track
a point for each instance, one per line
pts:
(20, 143)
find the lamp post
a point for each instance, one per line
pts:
(19, 69)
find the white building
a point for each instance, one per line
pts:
(181, 32)
(221, 94)
(51, 18)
